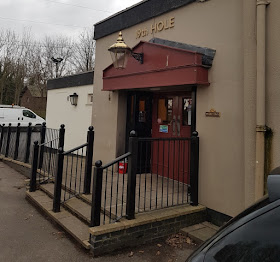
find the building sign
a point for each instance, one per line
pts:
(213, 113)
(163, 129)
(156, 27)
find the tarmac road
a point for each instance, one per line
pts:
(26, 235)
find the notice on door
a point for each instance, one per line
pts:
(163, 129)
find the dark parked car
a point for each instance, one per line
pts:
(252, 236)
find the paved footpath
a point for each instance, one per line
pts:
(26, 235)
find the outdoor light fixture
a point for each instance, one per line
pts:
(74, 99)
(56, 61)
(120, 52)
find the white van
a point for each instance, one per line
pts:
(16, 114)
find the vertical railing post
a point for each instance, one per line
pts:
(2, 137)
(28, 142)
(43, 136)
(194, 168)
(89, 155)
(131, 178)
(58, 181)
(8, 140)
(96, 194)
(17, 141)
(61, 136)
(34, 167)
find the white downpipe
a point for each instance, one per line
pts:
(260, 99)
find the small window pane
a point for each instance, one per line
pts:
(187, 111)
(165, 106)
(90, 98)
(142, 110)
(131, 118)
(28, 113)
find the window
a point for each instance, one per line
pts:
(142, 110)
(165, 107)
(256, 240)
(187, 111)
(28, 113)
(90, 98)
(131, 117)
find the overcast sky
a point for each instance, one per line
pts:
(57, 17)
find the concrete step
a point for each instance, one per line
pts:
(70, 223)
(199, 233)
(82, 204)
(78, 206)
(49, 190)
(110, 210)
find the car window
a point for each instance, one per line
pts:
(259, 204)
(257, 240)
(28, 113)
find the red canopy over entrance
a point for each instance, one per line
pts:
(163, 66)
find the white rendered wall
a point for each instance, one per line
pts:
(76, 119)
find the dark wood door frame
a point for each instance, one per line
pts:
(136, 95)
(193, 126)
(132, 120)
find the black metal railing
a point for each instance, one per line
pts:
(3, 139)
(109, 191)
(163, 177)
(47, 164)
(161, 173)
(73, 172)
(22, 144)
(44, 158)
(17, 141)
(10, 149)
(52, 140)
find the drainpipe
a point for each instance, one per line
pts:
(260, 100)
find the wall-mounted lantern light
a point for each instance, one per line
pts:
(74, 99)
(120, 52)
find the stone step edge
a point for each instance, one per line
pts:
(76, 213)
(72, 210)
(51, 194)
(83, 198)
(85, 243)
(189, 231)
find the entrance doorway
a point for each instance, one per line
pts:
(172, 115)
(167, 120)
(139, 118)
(172, 126)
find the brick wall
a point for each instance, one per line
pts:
(142, 234)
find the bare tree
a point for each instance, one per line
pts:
(25, 61)
(61, 47)
(12, 65)
(21, 63)
(41, 67)
(84, 52)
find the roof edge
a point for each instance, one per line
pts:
(208, 54)
(81, 79)
(136, 14)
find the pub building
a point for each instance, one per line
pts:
(185, 66)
